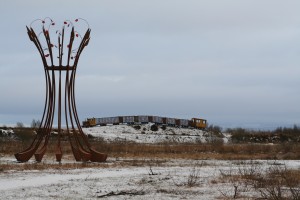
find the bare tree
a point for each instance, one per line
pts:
(35, 123)
(19, 125)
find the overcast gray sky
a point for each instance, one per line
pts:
(232, 62)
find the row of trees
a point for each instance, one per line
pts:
(281, 134)
(34, 124)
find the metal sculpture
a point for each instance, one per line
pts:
(70, 43)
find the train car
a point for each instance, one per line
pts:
(198, 123)
(157, 120)
(183, 123)
(128, 119)
(170, 121)
(89, 122)
(143, 119)
(107, 120)
(101, 121)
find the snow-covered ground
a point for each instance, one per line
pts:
(6, 132)
(157, 179)
(132, 178)
(146, 135)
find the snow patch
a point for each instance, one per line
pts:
(144, 134)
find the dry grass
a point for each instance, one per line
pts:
(70, 163)
(276, 182)
(137, 152)
(133, 154)
(170, 150)
(200, 151)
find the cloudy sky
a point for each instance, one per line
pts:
(232, 62)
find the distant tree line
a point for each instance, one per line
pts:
(279, 135)
(34, 124)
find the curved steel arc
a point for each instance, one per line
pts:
(85, 154)
(95, 155)
(26, 154)
(40, 153)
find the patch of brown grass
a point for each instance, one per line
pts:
(169, 150)
(166, 150)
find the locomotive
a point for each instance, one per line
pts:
(143, 119)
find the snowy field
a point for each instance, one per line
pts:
(138, 178)
(129, 179)
(146, 135)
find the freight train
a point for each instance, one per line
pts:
(143, 119)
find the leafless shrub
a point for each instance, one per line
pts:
(19, 125)
(250, 174)
(151, 173)
(234, 180)
(193, 177)
(280, 183)
(35, 123)
(242, 179)
(215, 130)
(274, 183)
